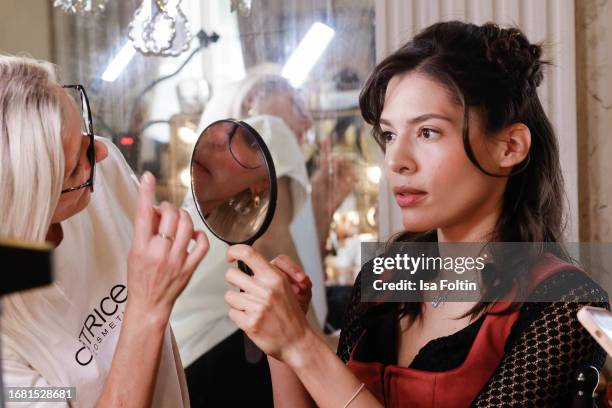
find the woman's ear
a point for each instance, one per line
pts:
(513, 146)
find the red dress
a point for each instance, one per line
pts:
(396, 386)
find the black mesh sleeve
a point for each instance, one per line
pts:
(353, 323)
(545, 347)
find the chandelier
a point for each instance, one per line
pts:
(81, 6)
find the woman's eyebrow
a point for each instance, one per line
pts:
(419, 119)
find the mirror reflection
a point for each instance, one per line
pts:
(232, 181)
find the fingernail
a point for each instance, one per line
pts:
(147, 177)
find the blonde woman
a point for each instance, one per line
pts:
(84, 330)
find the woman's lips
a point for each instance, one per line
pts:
(406, 197)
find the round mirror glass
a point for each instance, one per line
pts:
(233, 181)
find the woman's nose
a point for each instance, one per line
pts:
(399, 156)
(101, 154)
(101, 151)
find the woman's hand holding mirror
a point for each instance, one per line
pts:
(268, 309)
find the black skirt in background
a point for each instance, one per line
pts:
(224, 378)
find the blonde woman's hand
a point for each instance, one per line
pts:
(159, 263)
(267, 310)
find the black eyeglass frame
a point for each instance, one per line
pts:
(91, 150)
(229, 143)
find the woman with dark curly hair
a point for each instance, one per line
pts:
(471, 157)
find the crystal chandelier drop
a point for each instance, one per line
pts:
(81, 6)
(160, 28)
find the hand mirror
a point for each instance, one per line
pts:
(233, 182)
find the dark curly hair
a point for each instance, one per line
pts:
(495, 72)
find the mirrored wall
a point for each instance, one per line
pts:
(158, 71)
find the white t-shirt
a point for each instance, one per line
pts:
(199, 317)
(66, 334)
(289, 162)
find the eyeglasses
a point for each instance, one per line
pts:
(80, 97)
(244, 149)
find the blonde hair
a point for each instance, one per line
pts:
(31, 151)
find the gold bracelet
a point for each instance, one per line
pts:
(354, 395)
